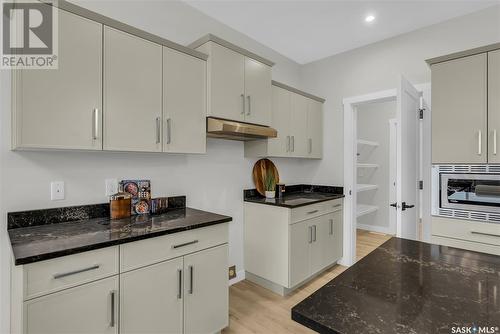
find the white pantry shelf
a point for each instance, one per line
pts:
(364, 209)
(365, 187)
(368, 142)
(364, 165)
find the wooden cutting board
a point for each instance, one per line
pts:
(260, 170)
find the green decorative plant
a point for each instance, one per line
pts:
(269, 181)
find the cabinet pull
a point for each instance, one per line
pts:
(191, 273)
(310, 229)
(331, 226)
(169, 130)
(179, 283)
(74, 272)
(479, 143)
(311, 212)
(293, 143)
(495, 142)
(314, 228)
(337, 206)
(95, 123)
(288, 143)
(249, 111)
(158, 130)
(487, 234)
(113, 301)
(242, 104)
(185, 244)
(310, 145)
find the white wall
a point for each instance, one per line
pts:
(214, 181)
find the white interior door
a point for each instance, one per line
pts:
(408, 160)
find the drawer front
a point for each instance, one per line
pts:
(145, 252)
(486, 233)
(315, 210)
(61, 273)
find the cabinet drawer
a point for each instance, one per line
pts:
(486, 233)
(315, 210)
(52, 275)
(145, 252)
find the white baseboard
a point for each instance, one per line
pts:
(240, 276)
(374, 228)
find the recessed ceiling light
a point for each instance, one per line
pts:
(369, 18)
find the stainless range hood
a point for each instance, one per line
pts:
(221, 128)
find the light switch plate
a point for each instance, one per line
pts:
(111, 186)
(56, 190)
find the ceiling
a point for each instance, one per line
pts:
(306, 31)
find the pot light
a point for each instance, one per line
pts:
(369, 18)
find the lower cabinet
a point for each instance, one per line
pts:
(89, 308)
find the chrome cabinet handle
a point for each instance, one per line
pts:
(337, 206)
(495, 142)
(310, 145)
(249, 111)
(311, 212)
(243, 104)
(293, 143)
(158, 130)
(487, 234)
(314, 228)
(95, 123)
(113, 301)
(331, 226)
(179, 284)
(479, 142)
(288, 143)
(310, 234)
(185, 244)
(74, 272)
(169, 130)
(191, 273)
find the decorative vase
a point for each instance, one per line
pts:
(270, 194)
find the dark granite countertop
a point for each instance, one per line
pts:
(408, 286)
(51, 240)
(297, 195)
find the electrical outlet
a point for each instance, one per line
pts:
(56, 190)
(232, 272)
(111, 186)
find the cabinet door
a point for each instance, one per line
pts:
(132, 93)
(227, 80)
(88, 308)
(332, 246)
(61, 108)
(320, 229)
(151, 299)
(315, 129)
(459, 111)
(298, 126)
(300, 241)
(493, 106)
(184, 103)
(280, 120)
(258, 92)
(206, 299)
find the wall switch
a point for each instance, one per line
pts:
(111, 186)
(57, 190)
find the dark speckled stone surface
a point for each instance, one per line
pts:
(47, 241)
(297, 195)
(407, 287)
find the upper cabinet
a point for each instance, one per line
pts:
(117, 88)
(62, 109)
(493, 106)
(132, 93)
(298, 118)
(239, 82)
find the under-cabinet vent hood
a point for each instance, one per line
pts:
(221, 128)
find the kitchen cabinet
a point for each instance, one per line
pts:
(53, 110)
(184, 103)
(493, 106)
(239, 85)
(459, 110)
(89, 308)
(132, 93)
(285, 247)
(206, 296)
(145, 296)
(298, 118)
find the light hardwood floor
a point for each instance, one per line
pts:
(253, 309)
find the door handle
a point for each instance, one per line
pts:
(405, 206)
(310, 145)
(314, 229)
(74, 272)
(191, 273)
(169, 130)
(310, 234)
(179, 283)
(95, 123)
(242, 104)
(479, 143)
(495, 142)
(185, 244)
(394, 205)
(288, 143)
(293, 143)
(311, 212)
(158, 130)
(113, 307)
(249, 111)
(487, 234)
(331, 226)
